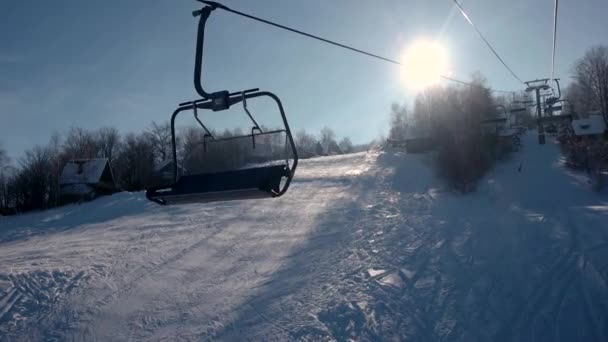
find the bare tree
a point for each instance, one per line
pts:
(399, 121)
(160, 138)
(33, 178)
(580, 101)
(453, 115)
(327, 136)
(80, 144)
(346, 145)
(306, 142)
(108, 142)
(190, 147)
(135, 163)
(589, 91)
(591, 79)
(57, 161)
(4, 160)
(5, 178)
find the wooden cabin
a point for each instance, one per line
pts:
(86, 179)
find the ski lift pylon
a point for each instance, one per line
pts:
(260, 181)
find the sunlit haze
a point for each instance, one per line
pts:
(423, 64)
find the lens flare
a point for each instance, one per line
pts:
(423, 64)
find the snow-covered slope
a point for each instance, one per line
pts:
(365, 246)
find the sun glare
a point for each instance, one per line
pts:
(423, 64)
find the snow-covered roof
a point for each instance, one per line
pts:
(87, 171)
(592, 125)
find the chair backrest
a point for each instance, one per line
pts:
(238, 152)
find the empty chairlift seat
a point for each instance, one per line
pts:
(260, 182)
(252, 166)
(257, 164)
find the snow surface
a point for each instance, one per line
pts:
(367, 246)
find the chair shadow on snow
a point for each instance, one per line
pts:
(496, 264)
(309, 266)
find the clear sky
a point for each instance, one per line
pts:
(125, 63)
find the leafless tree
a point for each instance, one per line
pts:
(5, 177)
(34, 181)
(326, 137)
(57, 161)
(399, 121)
(590, 73)
(346, 145)
(452, 116)
(80, 144)
(135, 163)
(305, 142)
(160, 138)
(108, 142)
(4, 160)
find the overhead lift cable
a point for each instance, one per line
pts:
(466, 16)
(554, 39)
(331, 42)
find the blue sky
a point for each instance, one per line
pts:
(126, 63)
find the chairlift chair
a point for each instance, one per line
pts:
(244, 181)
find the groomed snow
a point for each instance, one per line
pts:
(366, 246)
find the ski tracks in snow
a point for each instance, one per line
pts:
(428, 265)
(363, 247)
(25, 296)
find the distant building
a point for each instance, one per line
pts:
(86, 179)
(589, 128)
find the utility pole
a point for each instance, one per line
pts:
(537, 86)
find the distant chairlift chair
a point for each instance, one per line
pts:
(262, 180)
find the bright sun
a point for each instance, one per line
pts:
(423, 64)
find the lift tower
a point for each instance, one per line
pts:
(537, 86)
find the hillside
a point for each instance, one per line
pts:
(368, 246)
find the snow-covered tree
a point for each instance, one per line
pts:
(346, 145)
(326, 137)
(399, 121)
(305, 142)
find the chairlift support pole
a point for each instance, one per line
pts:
(541, 84)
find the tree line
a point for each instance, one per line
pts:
(31, 182)
(450, 117)
(325, 143)
(588, 91)
(588, 94)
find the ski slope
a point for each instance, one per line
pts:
(367, 246)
